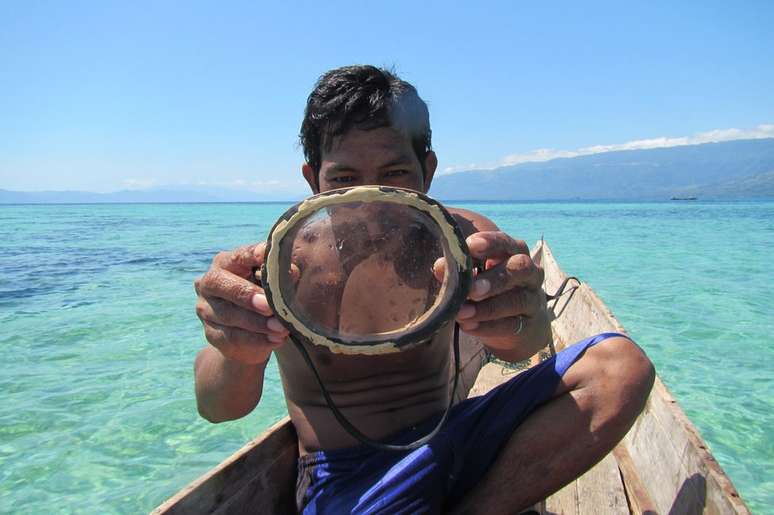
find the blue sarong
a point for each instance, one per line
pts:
(441, 472)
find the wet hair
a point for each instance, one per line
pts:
(362, 97)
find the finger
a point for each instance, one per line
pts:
(518, 301)
(439, 269)
(241, 261)
(234, 289)
(491, 263)
(240, 345)
(294, 273)
(505, 327)
(221, 312)
(518, 271)
(494, 245)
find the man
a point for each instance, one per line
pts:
(537, 432)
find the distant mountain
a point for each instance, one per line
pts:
(754, 186)
(163, 194)
(740, 169)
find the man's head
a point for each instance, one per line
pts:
(364, 125)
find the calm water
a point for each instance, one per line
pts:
(99, 334)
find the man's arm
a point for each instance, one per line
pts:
(226, 389)
(506, 307)
(242, 333)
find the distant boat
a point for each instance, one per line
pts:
(683, 198)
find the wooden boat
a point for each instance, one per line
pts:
(661, 466)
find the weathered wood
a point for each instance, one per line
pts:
(472, 355)
(490, 376)
(600, 491)
(670, 455)
(677, 471)
(258, 478)
(636, 493)
(564, 502)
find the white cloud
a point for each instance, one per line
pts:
(546, 154)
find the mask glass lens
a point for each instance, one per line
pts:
(366, 271)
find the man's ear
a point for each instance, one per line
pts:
(431, 163)
(310, 177)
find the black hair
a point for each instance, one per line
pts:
(362, 97)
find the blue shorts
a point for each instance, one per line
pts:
(439, 473)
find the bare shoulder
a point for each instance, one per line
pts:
(471, 222)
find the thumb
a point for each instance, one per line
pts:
(439, 269)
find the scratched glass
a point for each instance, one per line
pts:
(363, 271)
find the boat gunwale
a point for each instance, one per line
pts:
(659, 392)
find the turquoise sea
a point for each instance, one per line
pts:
(98, 335)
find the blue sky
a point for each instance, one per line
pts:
(102, 96)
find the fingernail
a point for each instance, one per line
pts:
(476, 244)
(261, 304)
(466, 311)
(470, 326)
(480, 287)
(274, 325)
(276, 338)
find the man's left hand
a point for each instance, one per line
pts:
(506, 306)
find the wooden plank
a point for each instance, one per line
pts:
(565, 501)
(672, 458)
(600, 491)
(490, 376)
(720, 492)
(636, 493)
(472, 355)
(668, 472)
(263, 493)
(657, 457)
(263, 470)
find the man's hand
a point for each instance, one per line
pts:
(506, 307)
(236, 316)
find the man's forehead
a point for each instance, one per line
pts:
(383, 145)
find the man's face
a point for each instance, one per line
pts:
(380, 156)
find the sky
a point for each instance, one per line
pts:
(104, 96)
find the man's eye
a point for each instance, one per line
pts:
(343, 179)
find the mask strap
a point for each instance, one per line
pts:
(354, 432)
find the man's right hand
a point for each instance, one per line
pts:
(236, 316)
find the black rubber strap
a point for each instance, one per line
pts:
(560, 291)
(355, 433)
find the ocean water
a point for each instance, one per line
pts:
(98, 335)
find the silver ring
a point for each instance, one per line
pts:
(520, 318)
